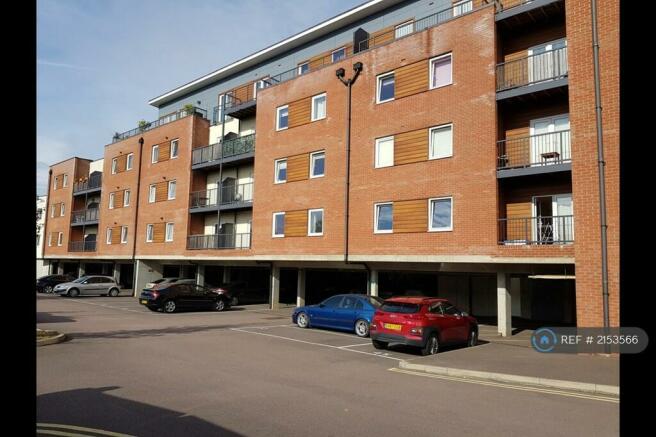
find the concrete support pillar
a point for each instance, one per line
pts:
(504, 305)
(184, 269)
(300, 288)
(373, 283)
(226, 274)
(275, 288)
(200, 274)
(145, 272)
(117, 273)
(80, 269)
(60, 268)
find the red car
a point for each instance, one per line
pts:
(424, 322)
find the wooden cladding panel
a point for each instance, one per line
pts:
(296, 223)
(116, 235)
(298, 167)
(161, 191)
(411, 216)
(118, 199)
(300, 112)
(58, 181)
(159, 231)
(518, 229)
(411, 79)
(243, 93)
(515, 73)
(164, 152)
(382, 36)
(121, 163)
(516, 151)
(411, 147)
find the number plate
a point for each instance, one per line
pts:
(392, 326)
(144, 301)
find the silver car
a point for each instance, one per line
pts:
(89, 285)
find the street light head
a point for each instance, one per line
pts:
(340, 72)
(357, 66)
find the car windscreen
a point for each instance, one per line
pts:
(375, 301)
(400, 307)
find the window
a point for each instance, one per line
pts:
(282, 117)
(174, 149)
(315, 222)
(109, 236)
(278, 224)
(339, 54)
(124, 234)
(52, 210)
(154, 156)
(317, 164)
(152, 190)
(50, 240)
(281, 171)
(403, 29)
(65, 181)
(129, 161)
(319, 107)
(149, 233)
(462, 7)
(126, 198)
(383, 220)
(385, 91)
(440, 214)
(111, 200)
(303, 68)
(332, 302)
(56, 182)
(60, 239)
(114, 165)
(440, 142)
(440, 71)
(171, 190)
(384, 152)
(62, 209)
(169, 232)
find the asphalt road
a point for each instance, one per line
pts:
(250, 372)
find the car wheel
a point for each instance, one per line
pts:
(47, 289)
(362, 328)
(220, 305)
(379, 344)
(73, 292)
(302, 320)
(473, 338)
(170, 306)
(432, 345)
(113, 292)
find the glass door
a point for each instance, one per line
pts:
(550, 140)
(563, 218)
(546, 61)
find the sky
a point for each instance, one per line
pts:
(100, 61)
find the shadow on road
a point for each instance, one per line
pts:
(94, 408)
(136, 333)
(52, 318)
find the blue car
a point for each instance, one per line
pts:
(347, 312)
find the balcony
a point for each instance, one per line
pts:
(169, 118)
(231, 196)
(541, 72)
(513, 13)
(240, 107)
(233, 151)
(83, 217)
(536, 230)
(535, 154)
(219, 241)
(89, 185)
(82, 246)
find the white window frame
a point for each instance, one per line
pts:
(62, 209)
(152, 154)
(111, 200)
(332, 54)
(108, 237)
(379, 82)
(313, 114)
(50, 240)
(152, 193)
(150, 231)
(166, 232)
(301, 65)
(275, 171)
(312, 159)
(56, 184)
(126, 198)
(431, 151)
(129, 162)
(309, 229)
(382, 231)
(376, 153)
(278, 109)
(177, 148)
(114, 165)
(52, 211)
(398, 26)
(430, 215)
(430, 72)
(124, 234)
(65, 181)
(458, 7)
(273, 225)
(168, 190)
(60, 239)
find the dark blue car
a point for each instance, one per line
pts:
(348, 312)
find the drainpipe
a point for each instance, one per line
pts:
(602, 163)
(219, 185)
(136, 219)
(45, 221)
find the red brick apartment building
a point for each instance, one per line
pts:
(471, 171)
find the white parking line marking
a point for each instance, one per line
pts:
(78, 428)
(354, 345)
(510, 386)
(315, 344)
(321, 331)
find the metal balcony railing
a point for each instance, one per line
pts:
(229, 193)
(537, 230)
(233, 147)
(82, 246)
(536, 68)
(219, 241)
(94, 181)
(535, 150)
(159, 122)
(84, 215)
